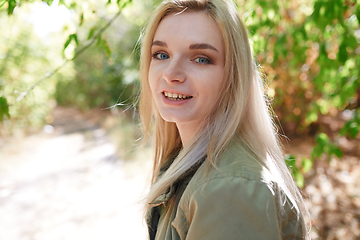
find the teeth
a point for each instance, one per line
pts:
(174, 96)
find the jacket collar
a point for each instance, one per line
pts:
(170, 191)
(165, 197)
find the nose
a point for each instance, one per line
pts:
(175, 71)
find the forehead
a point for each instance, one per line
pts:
(189, 28)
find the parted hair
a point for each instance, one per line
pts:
(242, 110)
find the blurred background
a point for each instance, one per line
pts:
(72, 165)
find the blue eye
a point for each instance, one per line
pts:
(202, 60)
(160, 56)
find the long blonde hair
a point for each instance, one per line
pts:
(243, 110)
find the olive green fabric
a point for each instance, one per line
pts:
(237, 201)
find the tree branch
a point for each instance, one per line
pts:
(78, 53)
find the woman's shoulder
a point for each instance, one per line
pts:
(240, 189)
(237, 169)
(237, 161)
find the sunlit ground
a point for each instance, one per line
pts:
(83, 177)
(72, 181)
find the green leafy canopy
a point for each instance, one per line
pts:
(4, 109)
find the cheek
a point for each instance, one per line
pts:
(213, 82)
(220, 79)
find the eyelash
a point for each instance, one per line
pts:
(207, 59)
(155, 55)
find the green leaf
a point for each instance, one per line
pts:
(122, 4)
(99, 40)
(11, 7)
(316, 12)
(62, 2)
(299, 179)
(357, 12)
(351, 41)
(351, 128)
(306, 164)
(105, 46)
(337, 151)
(322, 139)
(126, 3)
(49, 2)
(345, 129)
(317, 152)
(322, 145)
(4, 109)
(290, 161)
(74, 36)
(68, 41)
(81, 19)
(342, 55)
(354, 129)
(329, 11)
(73, 5)
(91, 33)
(2, 3)
(311, 117)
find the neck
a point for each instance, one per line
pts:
(187, 132)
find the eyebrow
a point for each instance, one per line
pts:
(159, 43)
(202, 46)
(192, 46)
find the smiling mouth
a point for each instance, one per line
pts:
(175, 96)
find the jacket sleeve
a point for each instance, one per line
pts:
(232, 208)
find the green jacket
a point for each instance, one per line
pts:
(237, 202)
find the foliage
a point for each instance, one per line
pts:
(4, 110)
(106, 75)
(352, 127)
(24, 59)
(44, 90)
(290, 161)
(99, 81)
(325, 146)
(71, 37)
(310, 53)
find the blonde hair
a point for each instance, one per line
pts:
(242, 112)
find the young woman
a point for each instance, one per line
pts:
(218, 170)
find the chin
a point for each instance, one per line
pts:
(171, 118)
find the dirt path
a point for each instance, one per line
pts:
(332, 191)
(70, 184)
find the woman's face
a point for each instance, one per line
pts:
(186, 70)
